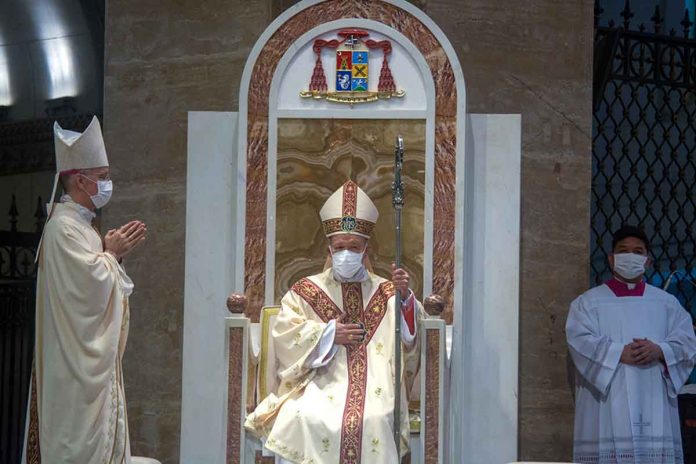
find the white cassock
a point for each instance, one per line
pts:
(335, 404)
(77, 411)
(624, 413)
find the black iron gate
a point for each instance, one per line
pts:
(644, 155)
(644, 146)
(17, 297)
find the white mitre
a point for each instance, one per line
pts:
(349, 211)
(75, 150)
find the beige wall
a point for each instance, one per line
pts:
(166, 57)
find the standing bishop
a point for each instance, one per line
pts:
(334, 340)
(77, 410)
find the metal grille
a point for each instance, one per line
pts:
(16, 352)
(17, 300)
(644, 147)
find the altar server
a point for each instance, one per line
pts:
(633, 346)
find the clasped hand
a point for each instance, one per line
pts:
(641, 352)
(353, 334)
(349, 334)
(119, 242)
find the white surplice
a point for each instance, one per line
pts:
(628, 414)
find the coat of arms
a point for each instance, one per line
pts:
(352, 70)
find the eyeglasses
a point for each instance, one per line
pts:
(106, 176)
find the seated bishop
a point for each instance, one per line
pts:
(334, 339)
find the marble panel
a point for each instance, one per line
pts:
(315, 157)
(432, 397)
(235, 384)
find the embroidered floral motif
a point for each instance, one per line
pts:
(378, 392)
(375, 445)
(325, 444)
(379, 348)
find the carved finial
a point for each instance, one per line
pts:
(14, 213)
(598, 10)
(627, 14)
(40, 216)
(236, 303)
(686, 23)
(434, 305)
(657, 20)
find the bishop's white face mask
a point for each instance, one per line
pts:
(629, 265)
(346, 263)
(104, 190)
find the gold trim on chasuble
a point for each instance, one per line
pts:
(371, 317)
(33, 451)
(348, 222)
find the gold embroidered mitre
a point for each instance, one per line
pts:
(349, 211)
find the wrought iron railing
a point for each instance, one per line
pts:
(17, 299)
(16, 353)
(644, 146)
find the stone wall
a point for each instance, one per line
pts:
(166, 57)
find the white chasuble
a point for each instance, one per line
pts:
(77, 411)
(341, 412)
(627, 414)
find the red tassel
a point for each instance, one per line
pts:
(386, 80)
(318, 82)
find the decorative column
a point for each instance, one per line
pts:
(237, 354)
(432, 388)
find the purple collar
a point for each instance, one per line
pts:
(621, 289)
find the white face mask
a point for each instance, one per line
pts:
(629, 265)
(346, 263)
(104, 190)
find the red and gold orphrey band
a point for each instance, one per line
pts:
(350, 199)
(33, 452)
(371, 317)
(331, 226)
(351, 430)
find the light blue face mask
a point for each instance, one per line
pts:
(346, 263)
(105, 188)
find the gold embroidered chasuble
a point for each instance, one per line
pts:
(341, 412)
(77, 412)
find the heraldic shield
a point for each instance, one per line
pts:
(352, 70)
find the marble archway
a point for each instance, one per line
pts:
(470, 203)
(442, 274)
